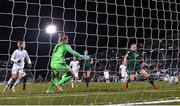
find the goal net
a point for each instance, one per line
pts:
(106, 28)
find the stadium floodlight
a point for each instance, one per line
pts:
(50, 29)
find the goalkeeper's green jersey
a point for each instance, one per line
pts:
(59, 52)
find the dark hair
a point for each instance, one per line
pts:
(21, 42)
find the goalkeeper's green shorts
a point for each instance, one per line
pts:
(63, 68)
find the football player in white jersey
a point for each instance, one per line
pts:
(18, 57)
(124, 74)
(74, 65)
(106, 76)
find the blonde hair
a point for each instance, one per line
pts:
(133, 44)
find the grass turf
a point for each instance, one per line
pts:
(97, 93)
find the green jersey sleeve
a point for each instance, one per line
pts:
(70, 50)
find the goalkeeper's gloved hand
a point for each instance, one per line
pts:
(85, 57)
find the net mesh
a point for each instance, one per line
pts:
(105, 28)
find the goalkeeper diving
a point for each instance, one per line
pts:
(58, 64)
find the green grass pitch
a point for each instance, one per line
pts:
(97, 93)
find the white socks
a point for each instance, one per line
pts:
(17, 81)
(9, 82)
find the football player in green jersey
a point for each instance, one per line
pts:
(87, 68)
(135, 64)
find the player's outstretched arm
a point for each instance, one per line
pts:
(146, 64)
(74, 53)
(70, 50)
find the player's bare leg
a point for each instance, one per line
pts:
(150, 79)
(132, 78)
(76, 81)
(87, 77)
(72, 83)
(20, 75)
(126, 82)
(13, 78)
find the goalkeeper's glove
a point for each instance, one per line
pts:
(85, 57)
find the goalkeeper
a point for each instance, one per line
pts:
(58, 63)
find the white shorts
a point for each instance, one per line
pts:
(124, 74)
(76, 75)
(17, 70)
(106, 77)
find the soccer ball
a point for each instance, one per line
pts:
(174, 80)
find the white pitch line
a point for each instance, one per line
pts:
(146, 103)
(157, 102)
(80, 94)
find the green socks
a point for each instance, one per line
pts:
(151, 80)
(55, 80)
(51, 86)
(64, 80)
(87, 80)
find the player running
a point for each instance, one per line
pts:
(124, 75)
(58, 63)
(74, 65)
(18, 57)
(135, 66)
(87, 68)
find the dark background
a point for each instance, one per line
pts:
(105, 27)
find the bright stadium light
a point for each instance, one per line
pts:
(50, 29)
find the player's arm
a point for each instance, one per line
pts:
(13, 57)
(78, 65)
(126, 58)
(27, 58)
(145, 63)
(73, 52)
